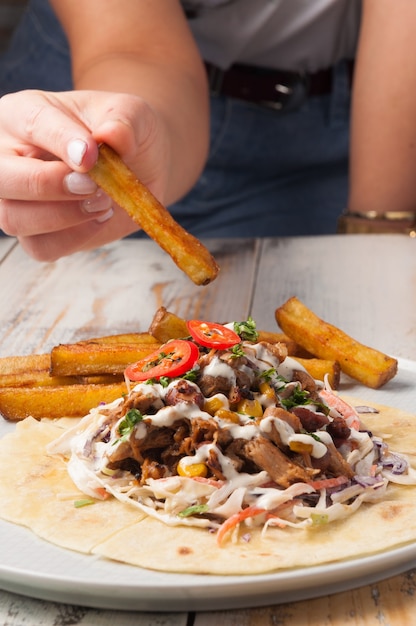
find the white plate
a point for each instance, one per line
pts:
(33, 567)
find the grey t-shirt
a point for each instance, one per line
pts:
(301, 35)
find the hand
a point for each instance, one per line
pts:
(48, 141)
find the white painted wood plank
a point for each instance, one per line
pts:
(18, 610)
(114, 289)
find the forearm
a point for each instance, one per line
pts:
(151, 54)
(383, 136)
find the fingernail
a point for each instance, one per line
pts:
(105, 217)
(80, 184)
(76, 150)
(98, 202)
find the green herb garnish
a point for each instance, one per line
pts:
(237, 351)
(80, 503)
(196, 509)
(125, 428)
(267, 375)
(191, 374)
(246, 330)
(298, 397)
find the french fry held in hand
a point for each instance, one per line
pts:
(118, 181)
(325, 341)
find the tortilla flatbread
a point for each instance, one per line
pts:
(38, 493)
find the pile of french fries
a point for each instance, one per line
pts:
(74, 378)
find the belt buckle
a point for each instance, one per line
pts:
(215, 78)
(290, 94)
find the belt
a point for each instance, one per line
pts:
(277, 89)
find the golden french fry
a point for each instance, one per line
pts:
(325, 341)
(31, 370)
(85, 359)
(35, 379)
(319, 368)
(166, 325)
(98, 379)
(27, 363)
(121, 184)
(123, 338)
(292, 347)
(16, 403)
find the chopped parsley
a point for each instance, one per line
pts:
(166, 380)
(247, 330)
(267, 375)
(170, 356)
(191, 375)
(298, 397)
(125, 428)
(237, 351)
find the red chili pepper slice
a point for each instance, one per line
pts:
(172, 359)
(212, 335)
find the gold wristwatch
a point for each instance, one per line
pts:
(401, 222)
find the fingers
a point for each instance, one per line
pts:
(25, 219)
(87, 236)
(34, 179)
(46, 127)
(48, 200)
(50, 247)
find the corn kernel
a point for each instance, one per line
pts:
(192, 470)
(214, 404)
(229, 416)
(300, 446)
(267, 390)
(250, 407)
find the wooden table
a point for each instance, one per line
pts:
(364, 284)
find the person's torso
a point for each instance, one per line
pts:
(301, 35)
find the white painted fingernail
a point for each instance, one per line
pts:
(98, 202)
(76, 150)
(80, 184)
(105, 217)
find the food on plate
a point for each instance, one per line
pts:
(30, 370)
(367, 365)
(322, 369)
(124, 338)
(227, 448)
(72, 400)
(85, 358)
(102, 361)
(119, 182)
(166, 325)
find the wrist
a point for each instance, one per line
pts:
(401, 222)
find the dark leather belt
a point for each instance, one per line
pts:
(271, 88)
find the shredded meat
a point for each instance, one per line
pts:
(333, 463)
(310, 420)
(183, 391)
(280, 468)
